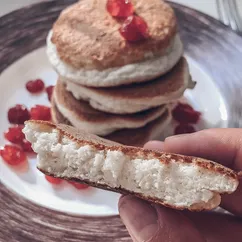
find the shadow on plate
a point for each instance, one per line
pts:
(90, 195)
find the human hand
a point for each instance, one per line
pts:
(152, 223)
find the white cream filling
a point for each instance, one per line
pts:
(142, 71)
(176, 183)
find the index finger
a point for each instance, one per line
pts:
(219, 145)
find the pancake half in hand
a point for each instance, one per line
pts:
(176, 181)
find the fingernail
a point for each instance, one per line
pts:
(139, 217)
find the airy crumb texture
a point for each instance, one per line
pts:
(87, 36)
(173, 180)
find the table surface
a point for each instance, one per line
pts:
(206, 6)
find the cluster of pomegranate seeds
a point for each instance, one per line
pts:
(15, 134)
(53, 180)
(40, 112)
(13, 155)
(134, 29)
(49, 91)
(35, 86)
(18, 114)
(185, 115)
(120, 8)
(78, 186)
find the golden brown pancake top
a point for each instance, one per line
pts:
(87, 36)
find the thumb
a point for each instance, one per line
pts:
(152, 223)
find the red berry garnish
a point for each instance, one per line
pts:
(78, 186)
(53, 180)
(15, 134)
(49, 91)
(35, 86)
(13, 155)
(134, 29)
(40, 112)
(184, 129)
(18, 114)
(184, 113)
(26, 146)
(120, 8)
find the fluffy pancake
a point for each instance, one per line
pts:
(132, 137)
(86, 35)
(136, 97)
(82, 115)
(86, 47)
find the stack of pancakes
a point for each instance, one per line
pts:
(109, 86)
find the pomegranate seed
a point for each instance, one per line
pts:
(53, 180)
(35, 86)
(184, 113)
(120, 8)
(18, 114)
(49, 91)
(40, 112)
(15, 134)
(13, 155)
(78, 186)
(134, 29)
(26, 146)
(184, 129)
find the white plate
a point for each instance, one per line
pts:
(32, 184)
